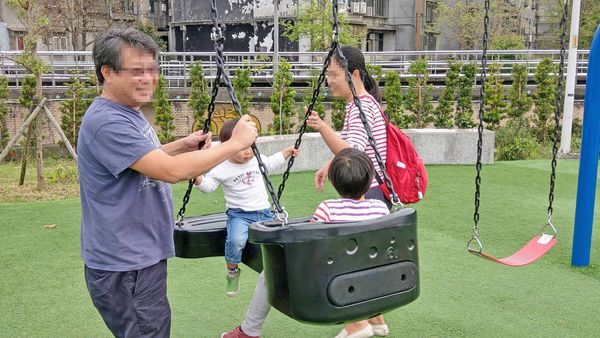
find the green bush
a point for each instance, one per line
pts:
(338, 109)
(164, 113)
(545, 97)
(241, 84)
(77, 99)
(443, 115)
(418, 99)
(282, 100)
(521, 148)
(516, 142)
(464, 105)
(63, 174)
(199, 97)
(395, 102)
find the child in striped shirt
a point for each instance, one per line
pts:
(351, 173)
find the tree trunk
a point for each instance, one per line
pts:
(25, 155)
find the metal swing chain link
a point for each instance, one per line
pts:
(218, 39)
(363, 118)
(388, 183)
(316, 92)
(478, 165)
(211, 109)
(558, 111)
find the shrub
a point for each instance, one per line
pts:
(418, 99)
(445, 109)
(282, 100)
(338, 110)
(516, 142)
(199, 97)
(164, 114)
(464, 105)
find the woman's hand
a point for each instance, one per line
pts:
(321, 176)
(314, 121)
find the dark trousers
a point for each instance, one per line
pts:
(132, 303)
(375, 193)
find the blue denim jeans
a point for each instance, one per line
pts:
(238, 221)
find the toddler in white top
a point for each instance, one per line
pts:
(246, 198)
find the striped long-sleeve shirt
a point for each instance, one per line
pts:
(348, 210)
(354, 132)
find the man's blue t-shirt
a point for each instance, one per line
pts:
(126, 217)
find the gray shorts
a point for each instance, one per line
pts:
(132, 303)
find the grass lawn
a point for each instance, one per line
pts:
(42, 291)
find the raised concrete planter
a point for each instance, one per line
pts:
(436, 146)
(452, 146)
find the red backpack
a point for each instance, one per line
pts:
(404, 167)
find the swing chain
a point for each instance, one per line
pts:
(315, 96)
(388, 183)
(205, 129)
(280, 213)
(302, 131)
(558, 108)
(336, 26)
(478, 165)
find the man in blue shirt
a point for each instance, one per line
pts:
(126, 199)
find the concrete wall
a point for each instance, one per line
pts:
(435, 146)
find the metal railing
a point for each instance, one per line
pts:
(175, 66)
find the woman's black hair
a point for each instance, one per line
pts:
(351, 173)
(356, 61)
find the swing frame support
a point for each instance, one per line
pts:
(588, 163)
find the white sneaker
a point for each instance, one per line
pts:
(363, 333)
(381, 330)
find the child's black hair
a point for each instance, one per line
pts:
(227, 129)
(351, 173)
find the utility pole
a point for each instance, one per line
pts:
(567, 121)
(275, 38)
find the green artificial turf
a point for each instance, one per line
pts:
(42, 291)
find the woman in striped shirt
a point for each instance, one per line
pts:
(351, 173)
(353, 133)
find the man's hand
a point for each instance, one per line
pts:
(198, 181)
(191, 141)
(314, 121)
(244, 133)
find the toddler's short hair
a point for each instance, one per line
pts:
(227, 129)
(351, 173)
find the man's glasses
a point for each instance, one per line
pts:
(140, 71)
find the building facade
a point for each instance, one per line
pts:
(97, 16)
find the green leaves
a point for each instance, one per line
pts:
(282, 100)
(418, 99)
(164, 114)
(199, 97)
(314, 21)
(76, 101)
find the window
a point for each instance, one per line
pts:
(429, 10)
(375, 42)
(152, 6)
(59, 43)
(429, 41)
(16, 41)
